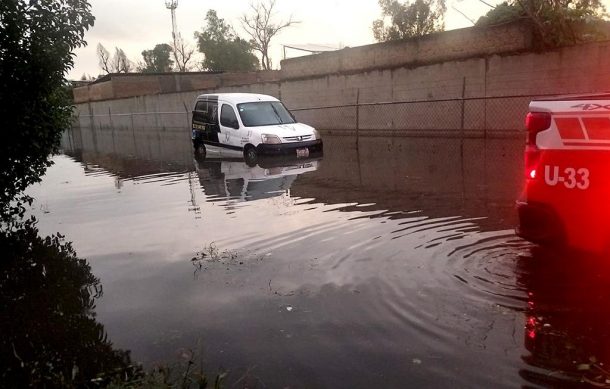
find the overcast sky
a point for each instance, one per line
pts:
(137, 25)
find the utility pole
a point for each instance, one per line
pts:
(182, 52)
(172, 5)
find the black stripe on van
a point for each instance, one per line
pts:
(229, 147)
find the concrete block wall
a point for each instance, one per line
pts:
(496, 90)
(576, 69)
(159, 111)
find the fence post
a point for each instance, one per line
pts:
(463, 107)
(462, 136)
(133, 135)
(91, 119)
(357, 117)
(186, 111)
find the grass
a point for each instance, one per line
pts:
(212, 253)
(181, 375)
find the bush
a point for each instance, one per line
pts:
(37, 40)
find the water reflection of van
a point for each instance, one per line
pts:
(232, 178)
(249, 125)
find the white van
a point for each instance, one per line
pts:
(248, 125)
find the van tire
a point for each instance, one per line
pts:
(200, 151)
(250, 155)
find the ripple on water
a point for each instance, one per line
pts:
(435, 281)
(442, 283)
(486, 268)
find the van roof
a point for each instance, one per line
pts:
(237, 98)
(572, 97)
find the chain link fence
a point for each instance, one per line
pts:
(491, 117)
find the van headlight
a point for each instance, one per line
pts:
(316, 134)
(271, 139)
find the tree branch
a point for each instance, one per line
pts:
(260, 28)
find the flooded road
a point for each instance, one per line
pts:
(387, 263)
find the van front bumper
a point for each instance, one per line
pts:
(314, 146)
(539, 223)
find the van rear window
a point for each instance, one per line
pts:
(206, 112)
(264, 113)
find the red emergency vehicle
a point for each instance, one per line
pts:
(566, 200)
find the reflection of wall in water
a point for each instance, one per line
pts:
(396, 170)
(399, 173)
(159, 144)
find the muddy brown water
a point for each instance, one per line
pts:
(391, 263)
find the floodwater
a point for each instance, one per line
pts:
(386, 263)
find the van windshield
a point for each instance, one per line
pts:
(264, 113)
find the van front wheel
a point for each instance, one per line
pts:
(250, 155)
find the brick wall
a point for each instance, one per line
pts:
(434, 48)
(117, 86)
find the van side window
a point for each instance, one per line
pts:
(228, 117)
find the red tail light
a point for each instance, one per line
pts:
(534, 122)
(532, 157)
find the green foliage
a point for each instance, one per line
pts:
(50, 337)
(502, 13)
(37, 40)
(556, 22)
(408, 20)
(223, 49)
(157, 60)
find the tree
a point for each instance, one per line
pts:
(259, 26)
(408, 20)
(157, 60)
(501, 13)
(37, 43)
(119, 63)
(183, 54)
(223, 49)
(103, 57)
(556, 22)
